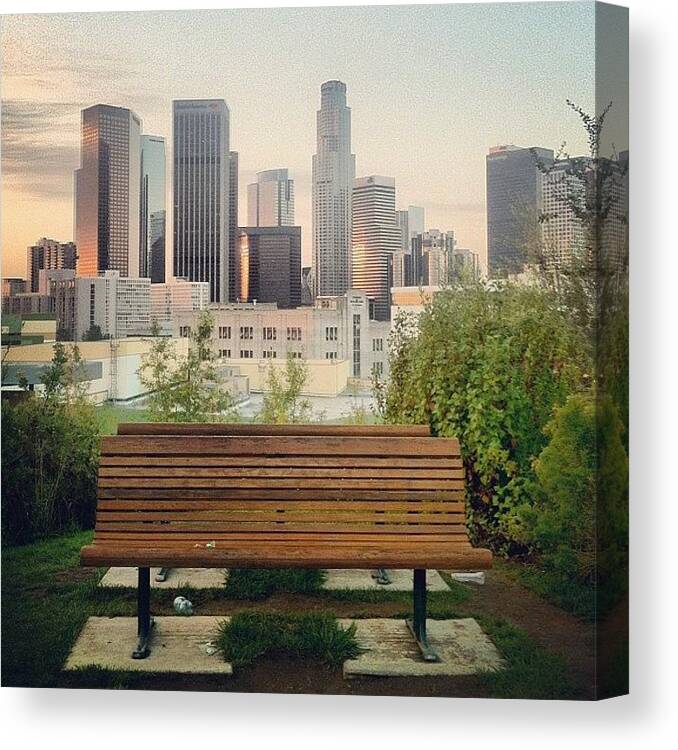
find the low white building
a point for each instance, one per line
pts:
(176, 296)
(333, 330)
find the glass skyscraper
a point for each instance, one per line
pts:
(153, 213)
(201, 193)
(333, 174)
(512, 206)
(107, 187)
(270, 200)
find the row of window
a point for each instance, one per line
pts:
(269, 333)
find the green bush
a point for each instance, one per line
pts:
(317, 635)
(259, 583)
(487, 365)
(50, 449)
(577, 518)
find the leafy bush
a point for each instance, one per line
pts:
(487, 365)
(282, 402)
(317, 635)
(578, 515)
(50, 451)
(257, 583)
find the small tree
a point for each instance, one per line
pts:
(282, 401)
(185, 388)
(93, 333)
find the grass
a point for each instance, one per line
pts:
(110, 416)
(47, 598)
(317, 635)
(257, 583)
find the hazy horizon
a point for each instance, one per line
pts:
(431, 88)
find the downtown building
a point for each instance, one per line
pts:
(107, 191)
(152, 219)
(204, 195)
(336, 332)
(48, 255)
(270, 200)
(333, 173)
(512, 198)
(375, 238)
(173, 297)
(270, 265)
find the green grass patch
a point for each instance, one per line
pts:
(110, 417)
(532, 672)
(258, 583)
(318, 635)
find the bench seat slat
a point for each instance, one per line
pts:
(285, 516)
(282, 528)
(256, 493)
(275, 473)
(423, 506)
(405, 462)
(293, 483)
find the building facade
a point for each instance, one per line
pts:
(201, 193)
(107, 191)
(512, 197)
(47, 255)
(152, 219)
(270, 264)
(333, 173)
(233, 254)
(270, 200)
(334, 329)
(176, 296)
(375, 238)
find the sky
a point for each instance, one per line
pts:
(431, 88)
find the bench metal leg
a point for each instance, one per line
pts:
(144, 619)
(417, 624)
(161, 575)
(382, 577)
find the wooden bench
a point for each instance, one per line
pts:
(260, 496)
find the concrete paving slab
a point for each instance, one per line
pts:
(392, 652)
(361, 580)
(197, 578)
(178, 644)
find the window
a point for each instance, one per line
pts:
(330, 355)
(378, 369)
(356, 346)
(224, 332)
(270, 354)
(270, 333)
(377, 345)
(295, 355)
(184, 331)
(294, 333)
(330, 333)
(246, 333)
(225, 353)
(246, 354)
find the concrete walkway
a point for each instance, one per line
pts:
(362, 580)
(197, 578)
(179, 644)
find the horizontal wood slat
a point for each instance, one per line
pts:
(405, 462)
(281, 528)
(160, 483)
(315, 446)
(449, 506)
(286, 516)
(254, 493)
(173, 428)
(274, 473)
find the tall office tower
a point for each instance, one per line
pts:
(47, 255)
(270, 263)
(375, 237)
(201, 193)
(565, 237)
(512, 185)
(153, 213)
(333, 174)
(107, 188)
(233, 252)
(437, 257)
(415, 220)
(270, 200)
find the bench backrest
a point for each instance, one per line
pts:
(207, 482)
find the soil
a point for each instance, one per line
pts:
(500, 597)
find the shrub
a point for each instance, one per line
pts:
(50, 451)
(317, 635)
(578, 516)
(282, 402)
(258, 583)
(487, 365)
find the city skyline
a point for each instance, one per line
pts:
(437, 162)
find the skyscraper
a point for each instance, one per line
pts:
(153, 212)
(270, 200)
(512, 206)
(47, 255)
(333, 174)
(271, 265)
(107, 187)
(375, 237)
(233, 252)
(201, 193)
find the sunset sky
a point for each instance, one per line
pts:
(430, 88)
